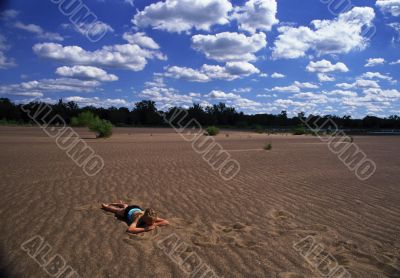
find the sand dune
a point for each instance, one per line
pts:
(245, 227)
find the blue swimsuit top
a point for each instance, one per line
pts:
(131, 213)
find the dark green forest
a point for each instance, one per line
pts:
(145, 113)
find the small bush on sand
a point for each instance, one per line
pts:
(103, 128)
(268, 147)
(83, 119)
(212, 130)
(299, 131)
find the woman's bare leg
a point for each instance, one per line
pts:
(120, 204)
(115, 209)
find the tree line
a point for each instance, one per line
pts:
(145, 113)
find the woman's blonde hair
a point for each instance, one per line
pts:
(150, 214)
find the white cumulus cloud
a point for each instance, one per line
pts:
(286, 89)
(50, 85)
(98, 102)
(325, 77)
(360, 83)
(325, 66)
(295, 87)
(340, 35)
(86, 72)
(231, 71)
(183, 15)
(372, 62)
(277, 75)
(229, 46)
(141, 39)
(256, 15)
(125, 56)
(40, 33)
(305, 85)
(389, 6)
(372, 75)
(186, 73)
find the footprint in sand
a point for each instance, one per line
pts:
(142, 236)
(348, 253)
(388, 257)
(237, 234)
(316, 230)
(205, 239)
(342, 245)
(236, 227)
(280, 222)
(217, 234)
(281, 214)
(179, 223)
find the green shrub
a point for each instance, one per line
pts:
(102, 127)
(268, 147)
(299, 131)
(212, 130)
(83, 119)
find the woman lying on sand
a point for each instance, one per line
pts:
(139, 221)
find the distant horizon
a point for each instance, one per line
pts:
(146, 113)
(132, 106)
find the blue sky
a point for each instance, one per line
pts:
(259, 56)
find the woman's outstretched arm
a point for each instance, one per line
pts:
(135, 230)
(161, 222)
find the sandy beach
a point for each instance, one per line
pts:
(244, 227)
